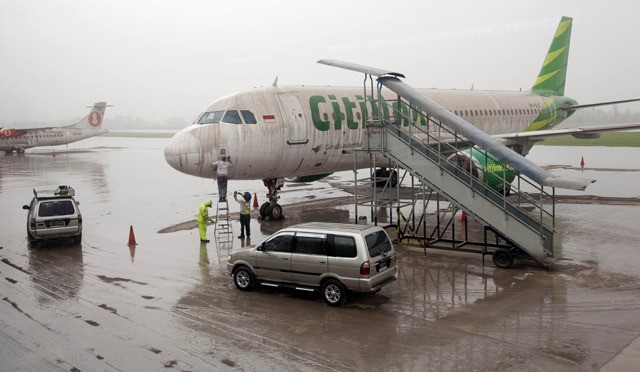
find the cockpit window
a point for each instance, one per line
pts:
(248, 117)
(211, 117)
(232, 117)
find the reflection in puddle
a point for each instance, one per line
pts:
(57, 270)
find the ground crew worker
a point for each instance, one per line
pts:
(245, 208)
(203, 218)
(221, 167)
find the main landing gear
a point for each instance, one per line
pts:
(386, 177)
(271, 210)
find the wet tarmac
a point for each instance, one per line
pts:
(167, 303)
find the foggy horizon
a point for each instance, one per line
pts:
(162, 61)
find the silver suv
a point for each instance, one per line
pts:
(330, 257)
(54, 214)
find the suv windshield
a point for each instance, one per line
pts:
(56, 208)
(378, 243)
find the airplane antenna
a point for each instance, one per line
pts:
(275, 82)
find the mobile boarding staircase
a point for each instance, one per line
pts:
(520, 227)
(419, 136)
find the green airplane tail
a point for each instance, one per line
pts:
(551, 79)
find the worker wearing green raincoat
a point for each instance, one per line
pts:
(203, 218)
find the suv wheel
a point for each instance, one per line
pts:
(29, 238)
(243, 278)
(334, 293)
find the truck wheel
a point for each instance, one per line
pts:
(334, 293)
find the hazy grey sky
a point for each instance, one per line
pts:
(163, 59)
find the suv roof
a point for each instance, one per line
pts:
(342, 227)
(61, 191)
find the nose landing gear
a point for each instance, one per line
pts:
(271, 210)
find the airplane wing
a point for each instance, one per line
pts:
(581, 132)
(574, 107)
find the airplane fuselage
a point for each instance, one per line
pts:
(298, 131)
(47, 137)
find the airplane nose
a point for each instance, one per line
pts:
(183, 153)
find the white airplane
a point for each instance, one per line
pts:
(17, 140)
(306, 132)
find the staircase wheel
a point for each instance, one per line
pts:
(502, 258)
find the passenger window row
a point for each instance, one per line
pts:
(309, 243)
(496, 112)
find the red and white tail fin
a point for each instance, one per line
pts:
(93, 120)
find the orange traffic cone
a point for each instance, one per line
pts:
(255, 200)
(132, 238)
(582, 163)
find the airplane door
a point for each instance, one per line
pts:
(294, 115)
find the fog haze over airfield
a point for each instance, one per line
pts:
(166, 60)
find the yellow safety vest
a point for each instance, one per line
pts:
(246, 208)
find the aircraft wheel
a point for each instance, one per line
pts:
(504, 189)
(263, 209)
(507, 190)
(502, 258)
(393, 182)
(275, 212)
(391, 175)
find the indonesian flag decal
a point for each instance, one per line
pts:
(269, 118)
(94, 119)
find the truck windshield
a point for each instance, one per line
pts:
(378, 243)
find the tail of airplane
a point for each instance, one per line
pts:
(551, 79)
(93, 120)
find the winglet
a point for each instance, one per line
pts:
(570, 183)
